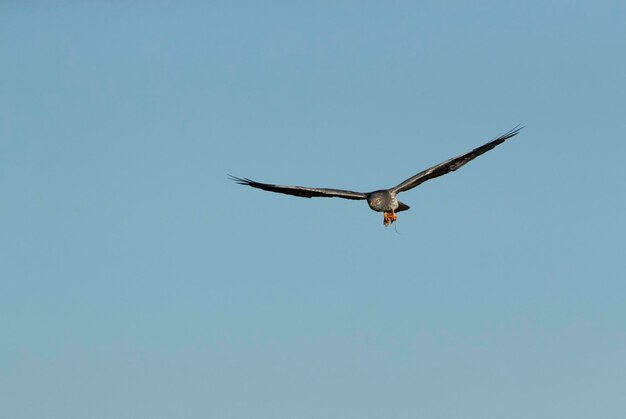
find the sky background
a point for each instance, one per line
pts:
(136, 280)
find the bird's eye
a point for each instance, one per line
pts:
(377, 201)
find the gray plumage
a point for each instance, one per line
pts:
(384, 200)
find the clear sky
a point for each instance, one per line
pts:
(136, 280)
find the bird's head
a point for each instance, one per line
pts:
(376, 201)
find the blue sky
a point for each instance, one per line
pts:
(137, 281)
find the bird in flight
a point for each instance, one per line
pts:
(384, 200)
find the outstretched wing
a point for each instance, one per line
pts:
(301, 190)
(452, 164)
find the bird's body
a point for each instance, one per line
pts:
(384, 200)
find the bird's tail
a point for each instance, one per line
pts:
(402, 207)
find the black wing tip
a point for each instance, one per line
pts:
(511, 133)
(240, 181)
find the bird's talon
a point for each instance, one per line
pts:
(389, 218)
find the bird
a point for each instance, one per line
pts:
(385, 200)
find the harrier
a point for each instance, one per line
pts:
(384, 200)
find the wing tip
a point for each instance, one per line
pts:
(511, 133)
(240, 181)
